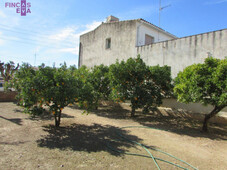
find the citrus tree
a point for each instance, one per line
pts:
(205, 83)
(22, 83)
(134, 81)
(162, 78)
(46, 86)
(100, 82)
(86, 95)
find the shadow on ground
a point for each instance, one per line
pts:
(47, 116)
(17, 121)
(176, 121)
(12, 143)
(80, 137)
(112, 111)
(181, 122)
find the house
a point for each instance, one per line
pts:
(121, 40)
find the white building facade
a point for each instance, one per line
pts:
(121, 40)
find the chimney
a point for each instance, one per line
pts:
(112, 19)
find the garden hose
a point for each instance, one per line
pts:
(146, 148)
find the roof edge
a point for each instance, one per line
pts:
(156, 27)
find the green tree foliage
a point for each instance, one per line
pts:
(51, 87)
(100, 82)
(205, 83)
(57, 89)
(142, 85)
(94, 85)
(22, 81)
(86, 96)
(162, 77)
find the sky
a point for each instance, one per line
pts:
(50, 33)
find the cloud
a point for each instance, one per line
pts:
(90, 27)
(215, 2)
(70, 50)
(1, 40)
(69, 36)
(68, 33)
(2, 15)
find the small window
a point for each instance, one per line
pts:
(108, 43)
(149, 39)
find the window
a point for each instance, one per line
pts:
(108, 43)
(149, 39)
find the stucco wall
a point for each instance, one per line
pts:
(192, 107)
(123, 40)
(182, 52)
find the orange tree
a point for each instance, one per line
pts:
(133, 80)
(100, 82)
(23, 83)
(94, 85)
(47, 86)
(162, 78)
(57, 88)
(205, 83)
(86, 95)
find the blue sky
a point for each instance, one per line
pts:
(50, 33)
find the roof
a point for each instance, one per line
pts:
(141, 20)
(156, 27)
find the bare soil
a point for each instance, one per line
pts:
(82, 140)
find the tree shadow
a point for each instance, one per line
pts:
(47, 116)
(93, 138)
(17, 121)
(181, 122)
(12, 143)
(177, 121)
(112, 111)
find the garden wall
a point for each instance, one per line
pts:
(196, 110)
(7, 96)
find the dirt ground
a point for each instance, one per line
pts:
(84, 141)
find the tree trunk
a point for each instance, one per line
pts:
(210, 115)
(57, 119)
(133, 112)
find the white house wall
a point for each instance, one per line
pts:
(143, 29)
(123, 40)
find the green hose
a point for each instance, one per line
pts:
(146, 148)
